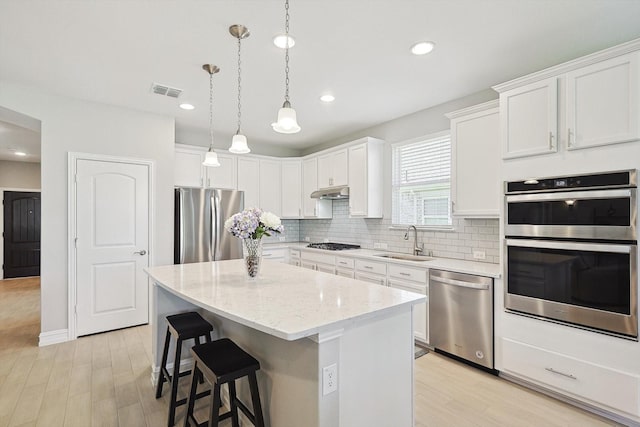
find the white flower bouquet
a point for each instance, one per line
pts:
(253, 223)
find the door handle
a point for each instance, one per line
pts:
(141, 252)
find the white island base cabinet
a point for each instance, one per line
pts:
(594, 384)
(290, 378)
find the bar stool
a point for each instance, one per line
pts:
(182, 327)
(223, 362)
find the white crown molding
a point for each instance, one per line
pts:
(474, 109)
(612, 52)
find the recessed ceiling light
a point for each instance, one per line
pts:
(20, 153)
(327, 98)
(281, 41)
(422, 48)
(186, 106)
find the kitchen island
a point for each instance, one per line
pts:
(296, 322)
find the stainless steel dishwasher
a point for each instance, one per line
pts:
(461, 315)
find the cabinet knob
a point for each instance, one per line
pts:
(551, 141)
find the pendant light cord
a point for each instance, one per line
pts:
(286, 54)
(239, 86)
(211, 110)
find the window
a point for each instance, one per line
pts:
(422, 181)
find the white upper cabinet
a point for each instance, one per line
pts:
(270, 186)
(188, 169)
(291, 189)
(224, 176)
(313, 208)
(589, 102)
(529, 122)
(602, 103)
(365, 179)
(332, 169)
(249, 181)
(475, 161)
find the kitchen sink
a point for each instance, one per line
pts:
(406, 257)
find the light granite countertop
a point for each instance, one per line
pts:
(449, 264)
(285, 301)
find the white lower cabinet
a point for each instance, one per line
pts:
(294, 257)
(318, 262)
(420, 311)
(345, 273)
(582, 380)
(275, 254)
(371, 278)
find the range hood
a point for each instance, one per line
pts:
(331, 193)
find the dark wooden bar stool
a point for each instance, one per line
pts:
(223, 362)
(182, 327)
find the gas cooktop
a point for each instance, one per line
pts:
(329, 246)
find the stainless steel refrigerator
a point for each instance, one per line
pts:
(199, 231)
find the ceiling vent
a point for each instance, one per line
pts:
(165, 90)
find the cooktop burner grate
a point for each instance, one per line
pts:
(329, 246)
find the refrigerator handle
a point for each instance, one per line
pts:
(215, 225)
(181, 243)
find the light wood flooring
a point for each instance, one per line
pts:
(104, 380)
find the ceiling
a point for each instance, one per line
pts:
(358, 50)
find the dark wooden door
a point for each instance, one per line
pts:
(21, 234)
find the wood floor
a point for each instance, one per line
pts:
(104, 380)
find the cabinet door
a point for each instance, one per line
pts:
(270, 187)
(602, 103)
(420, 317)
(529, 119)
(345, 273)
(325, 171)
(326, 268)
(224, 176)
(371, 278)
(475, 151)
(358, 180)
(308, 265)
(249, 181)
(188, 168)
(309, 185)
(340, 163)
(291, 189)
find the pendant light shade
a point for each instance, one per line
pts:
(239, 144)
(211, 158)
(287, 118)
(239, 141)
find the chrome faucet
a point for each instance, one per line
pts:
(416, 249)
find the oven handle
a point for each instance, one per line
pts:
(594, 247)
(573, 195)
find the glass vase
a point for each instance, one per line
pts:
(252, 253)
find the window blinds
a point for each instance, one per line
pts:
(421, 181)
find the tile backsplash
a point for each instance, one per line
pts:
(468, 234)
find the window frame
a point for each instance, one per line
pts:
(425, 138)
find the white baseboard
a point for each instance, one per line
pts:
(53, 337)
(185, 365)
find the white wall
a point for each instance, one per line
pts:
(19, 174)
(79, 126)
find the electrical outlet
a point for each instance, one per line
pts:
(282, 239)
(479, 255)
(329, 379)
(376, 246)
(383, 246)
(307, 239)
(325, 240)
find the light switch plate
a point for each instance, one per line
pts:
(307, 239)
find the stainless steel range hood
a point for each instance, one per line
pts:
(331, 193)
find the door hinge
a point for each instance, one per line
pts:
(75, 178)
(75, 309)
(75, 242)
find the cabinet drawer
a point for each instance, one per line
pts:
(581, 379)
(408, 273)
(345, 273)
(371, 278)
(342, 262)
(318, 257)
(371, 266)
(294, 253)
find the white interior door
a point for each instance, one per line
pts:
(112, 224)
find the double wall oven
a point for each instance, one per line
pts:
(571, 250)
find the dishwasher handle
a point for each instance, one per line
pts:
(460, 283)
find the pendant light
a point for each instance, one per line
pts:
(211, 158)
(287, 121)
(239, 141)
